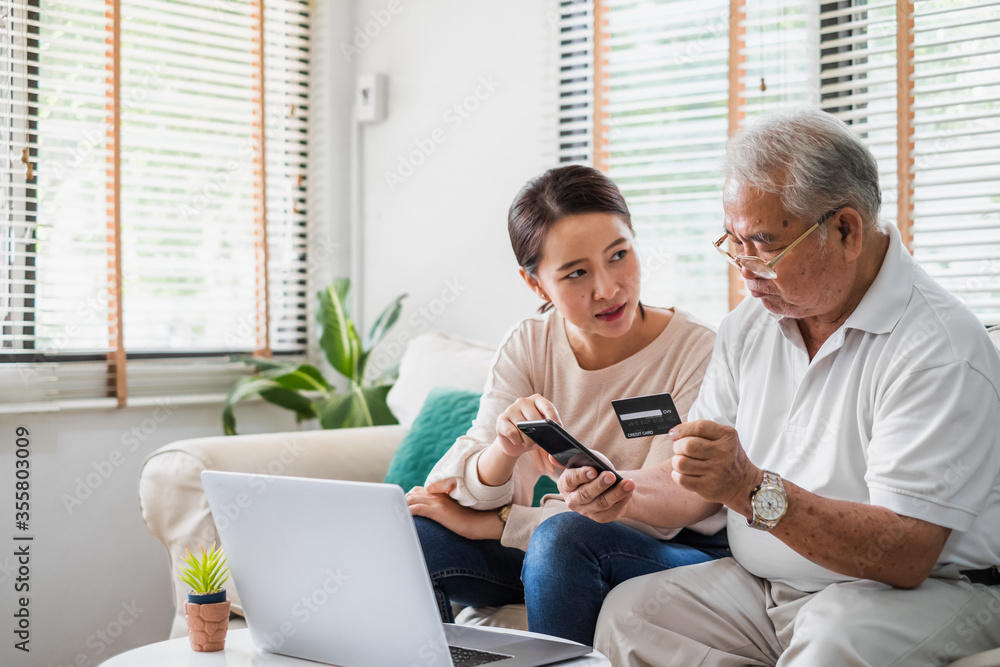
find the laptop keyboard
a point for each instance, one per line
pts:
(469, 657)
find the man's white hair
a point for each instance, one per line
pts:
(813, 161)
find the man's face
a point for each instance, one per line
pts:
(813, 279)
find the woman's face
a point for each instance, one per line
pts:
(590, 272)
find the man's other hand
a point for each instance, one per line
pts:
(590, 493)
(709, 460)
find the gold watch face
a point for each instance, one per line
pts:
(769, 504)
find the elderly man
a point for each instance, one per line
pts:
(848, 422)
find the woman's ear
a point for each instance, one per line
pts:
(533, 284)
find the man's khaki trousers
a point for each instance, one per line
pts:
(719, 614)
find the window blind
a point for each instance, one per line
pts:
(956, 149)
(168, 142)
(576, 82)
(666, 89)
(776, 68)
(780, 48)
(666, 83)
(915, 80)
(940, 122)
(859, 81)
(286, 130)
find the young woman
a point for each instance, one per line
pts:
(594, 342)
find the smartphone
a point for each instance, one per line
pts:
(563, 447)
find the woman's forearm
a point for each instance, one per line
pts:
(495, 467)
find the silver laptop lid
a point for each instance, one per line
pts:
(309, 589)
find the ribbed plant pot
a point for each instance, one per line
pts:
(207, 621)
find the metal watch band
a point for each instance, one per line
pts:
(772, 480)
(504, 513)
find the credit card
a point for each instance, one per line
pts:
(644, 416)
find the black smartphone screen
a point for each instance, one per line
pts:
(563, 447)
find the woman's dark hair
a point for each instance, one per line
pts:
(557, 194)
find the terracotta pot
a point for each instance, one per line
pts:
(207, 625)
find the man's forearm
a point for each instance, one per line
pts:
(855, 539)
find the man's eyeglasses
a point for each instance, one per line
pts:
(756, 265)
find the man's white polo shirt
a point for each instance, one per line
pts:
(899, 408)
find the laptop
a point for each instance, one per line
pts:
(332, 571)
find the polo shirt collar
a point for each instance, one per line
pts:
(886, 299)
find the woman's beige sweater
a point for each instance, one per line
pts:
(535, 357)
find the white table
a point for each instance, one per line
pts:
(240, 652)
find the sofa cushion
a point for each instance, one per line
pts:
(985, 659)
(436, 360)
(509, 616)
(446, 415)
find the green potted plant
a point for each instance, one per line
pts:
(207, 609)
(302, 387)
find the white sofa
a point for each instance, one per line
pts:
(174, 506)
(176, 512)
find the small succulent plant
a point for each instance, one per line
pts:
(207, 574)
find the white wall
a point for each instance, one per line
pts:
(440, 234)
(94, 565)
(91, 552)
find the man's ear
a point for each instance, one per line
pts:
(532, 283)
(849, 227)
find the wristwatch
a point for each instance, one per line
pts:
(769, 502)
(503, 514)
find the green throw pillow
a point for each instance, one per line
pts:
(445, 416)
(545, 485)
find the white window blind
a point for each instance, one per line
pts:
(859, 82)
(956, 149)
(286, 127)
(17, 214)
(198, 199)
(576, 81)
(780, 47)
(777, 68)
(951, 101)
(666, 87)
(665, 70)
(666, 82)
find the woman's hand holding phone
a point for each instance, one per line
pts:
(496, 463)
(513, 442)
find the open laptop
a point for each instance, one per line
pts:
(333, 571)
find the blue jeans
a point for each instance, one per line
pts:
(571, 564)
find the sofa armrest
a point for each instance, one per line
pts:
(173, 501)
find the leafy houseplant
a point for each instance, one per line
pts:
(303, 389)
(207, 609)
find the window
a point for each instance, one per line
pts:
(919, 83)
(673, 78)
(956, 149)
(576, 81)
(164, 216)
(665, 101)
